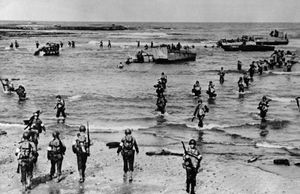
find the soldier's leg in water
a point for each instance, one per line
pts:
(57, 113)
(63, 113)
(200, 123)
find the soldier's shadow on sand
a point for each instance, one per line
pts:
(44, 179)
(39, 180)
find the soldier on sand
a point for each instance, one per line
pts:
(127, 147)
(56, 150)
(80, 147)
(192, 159)
(26, 153)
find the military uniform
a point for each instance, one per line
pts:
(56, 150)
(263, 107)
(81, 149)
(26, 153)
(161, 103)
(191, 163)
(200, 111)
(36, 128)
(128, 146)
(60, 106)
(21, 93)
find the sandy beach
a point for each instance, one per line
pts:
(221, 172)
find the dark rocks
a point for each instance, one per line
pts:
(164, 153)
(297, 164)
(253, 159)
(281, 162)
(113, 145)
(3, 132)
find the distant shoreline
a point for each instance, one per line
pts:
(35, 29)
(158, 22)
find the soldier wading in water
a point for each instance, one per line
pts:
(26, 153)
(199, 112)
(192, 159)
(127, 146)
(81, 147)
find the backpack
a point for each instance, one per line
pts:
(161, 102)
(81, 143)
(128, 142)
(57, 147)
(25, 150)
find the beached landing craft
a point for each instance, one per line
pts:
(163, 55)
(51, 49)
(248, 47)
(274, 38)
(140, 57)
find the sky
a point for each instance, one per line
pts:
(152, 10)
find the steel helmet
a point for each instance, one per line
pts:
(127, 131)
(55, 133)
(82, 128)
(192, 142)
(26, 135)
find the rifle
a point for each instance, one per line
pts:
(88, 137)
(297, 100)
(185, 152)
(29, 122)
(18, 169)
(193, 119)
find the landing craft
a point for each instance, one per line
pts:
(51, 49)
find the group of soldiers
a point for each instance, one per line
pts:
(210, 90)
(12, 44)
(27, 151)
(8, 87)
(161, 86)
(108, 44)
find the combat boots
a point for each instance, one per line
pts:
(130, 176)
(81, 179)
(192, 189)
(188, 187)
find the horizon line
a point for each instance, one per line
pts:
(237, 22)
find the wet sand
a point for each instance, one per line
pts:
(221, 172)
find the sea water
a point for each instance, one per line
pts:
(114, 99)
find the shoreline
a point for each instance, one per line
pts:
(221, 172)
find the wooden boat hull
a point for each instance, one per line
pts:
(177, 57)
(248, 48)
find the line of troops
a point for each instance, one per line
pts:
(27, 156)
